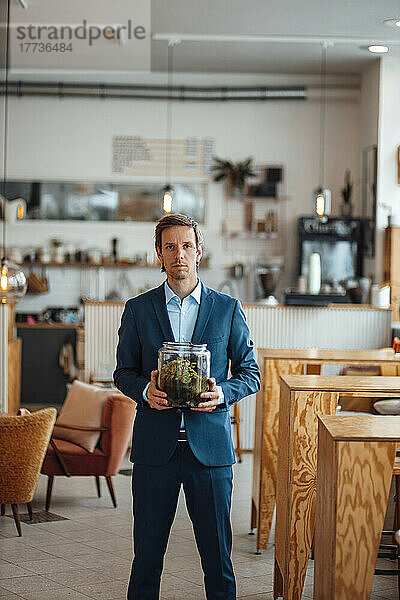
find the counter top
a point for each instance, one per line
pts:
(48, 326)
(362, 427)
(329, 306)
(104, 302)
(385, 355)
(342, 383)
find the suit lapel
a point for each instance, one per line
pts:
(160, 310)
(205, 309)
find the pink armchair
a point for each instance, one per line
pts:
(70, 459)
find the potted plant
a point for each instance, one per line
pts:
(347, 192)
(236, 174)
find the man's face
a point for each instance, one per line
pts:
(179, 252)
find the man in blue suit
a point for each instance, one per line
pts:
(191, 447)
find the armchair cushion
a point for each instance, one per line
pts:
(78, 460)
(83, 407)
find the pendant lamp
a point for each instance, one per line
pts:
(322, 195)
(12, 278)
(168, 191)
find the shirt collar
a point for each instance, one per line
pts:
(169, 294)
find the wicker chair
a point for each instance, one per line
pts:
(23, 445)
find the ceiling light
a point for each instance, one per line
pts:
(392, 22)
(378, 49)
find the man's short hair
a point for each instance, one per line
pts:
(174, 221)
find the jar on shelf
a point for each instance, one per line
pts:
(183, 372)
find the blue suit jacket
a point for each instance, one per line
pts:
(222, 326)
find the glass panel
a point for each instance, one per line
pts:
(85, 201)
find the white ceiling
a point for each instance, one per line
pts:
(356, 22)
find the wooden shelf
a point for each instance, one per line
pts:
(48, 325)
(87, 265)
(119, 265)
(251, 235)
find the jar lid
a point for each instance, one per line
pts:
(184, 346)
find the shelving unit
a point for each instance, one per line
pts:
(239, 232)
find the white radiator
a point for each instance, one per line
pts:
(279, 327)
(101, 337)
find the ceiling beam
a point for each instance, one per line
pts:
(286, 39)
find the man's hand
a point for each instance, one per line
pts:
(211, 398)
(157, 399)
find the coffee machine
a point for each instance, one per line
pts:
(268, 276)
(339, 242)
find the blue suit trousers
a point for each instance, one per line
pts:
(208, 492)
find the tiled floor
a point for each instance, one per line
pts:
(89, 555)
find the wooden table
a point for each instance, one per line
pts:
(303, 399)
(355, 463)
(273, 363)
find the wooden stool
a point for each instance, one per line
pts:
(297, 467)
(355, 465)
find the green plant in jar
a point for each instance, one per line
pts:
(184, 377)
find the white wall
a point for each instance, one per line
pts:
(71, 139)
(388, 140)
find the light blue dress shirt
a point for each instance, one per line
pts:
(182, 317)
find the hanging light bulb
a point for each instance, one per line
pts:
(322, 203)
(4, 278)
(322, 195)
(12, 282)
(167, 199)
(20, 211)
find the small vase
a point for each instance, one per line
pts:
(237, 191)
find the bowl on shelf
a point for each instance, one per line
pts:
(388, 407)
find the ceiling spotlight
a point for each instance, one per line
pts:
(378, 49)
(392, 22)
(23, 4)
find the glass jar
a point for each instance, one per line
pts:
(183, 372)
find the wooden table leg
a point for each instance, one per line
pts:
(266, 446)
(297, 469)
(352, 492)
(236, 421)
